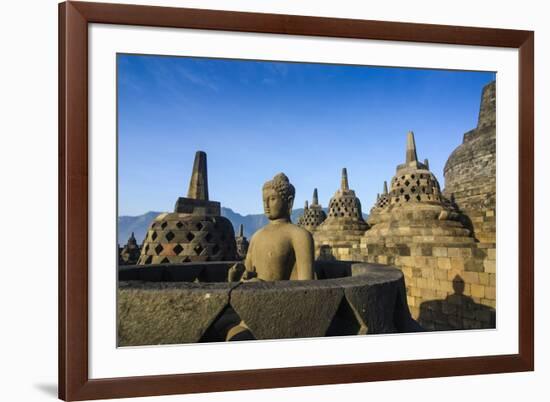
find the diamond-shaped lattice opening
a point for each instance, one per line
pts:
(190, 236)
(344, 322)
(407, 183)
(412, 176)
(146, 249)
(169, 236)
(153, 225)
(165, 260)
(413, 189)
(154, 236)
(163, 225)
(402, 191)
(179, 225)
(198, 249)
(208, 237)
(418, 197)
(199, 226)
(178, 249)
(158, 249)
(407, 197)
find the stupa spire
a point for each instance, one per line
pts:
(385, 187)
(411, 148)
(241, 230)
(344, 184)
(315, 200)
(305, 206)
(427, 163)
(198, 185)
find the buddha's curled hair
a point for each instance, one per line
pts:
(281, 185)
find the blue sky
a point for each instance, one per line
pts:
(257, 118)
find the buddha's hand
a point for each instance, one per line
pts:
(250, 276)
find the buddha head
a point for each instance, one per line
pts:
(278, 196)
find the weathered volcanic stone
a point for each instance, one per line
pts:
(470, 171)
(287, 309)
(374, 300)
(358, 298)
(154, 313)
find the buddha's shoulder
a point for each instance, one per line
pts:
(261, 233)
(298, 231)
(288, 229)
(258, 233)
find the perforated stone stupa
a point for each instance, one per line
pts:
(129, 254)
(419, 231)
(344, 226)
(195, 231)
(382, 201)
(413, 207)
(313, 215)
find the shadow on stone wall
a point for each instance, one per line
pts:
(462, 216)
(325, 253)
(456, 311)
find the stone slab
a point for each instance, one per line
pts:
(154, 313)
(287, 309)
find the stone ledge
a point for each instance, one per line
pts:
(356, 298)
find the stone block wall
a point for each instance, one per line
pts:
(339, 247)
(336, 238)
(449, 286)
(482, 222)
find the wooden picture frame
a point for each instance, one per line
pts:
(74, 381)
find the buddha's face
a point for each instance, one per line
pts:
(275, 207)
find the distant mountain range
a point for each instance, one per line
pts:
(139, 224)
(136, 224)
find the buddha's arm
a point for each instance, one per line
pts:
(303, 250)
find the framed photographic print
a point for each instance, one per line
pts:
(259, 200)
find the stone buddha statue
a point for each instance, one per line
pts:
(280, 250)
